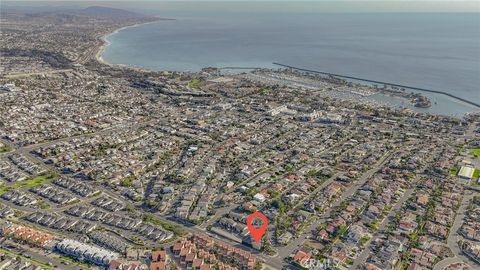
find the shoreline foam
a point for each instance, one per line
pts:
(106, 43)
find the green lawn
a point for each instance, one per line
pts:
(475, 151)
(127, 181)
(72, 261)
(476, 173)
(195, 83)
(264, 90)
(454, 171)
(29, 183)
(5, 149)
(364, 239)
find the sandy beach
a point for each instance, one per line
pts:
(106, 43)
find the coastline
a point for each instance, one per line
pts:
(433, 110)
(106, 43)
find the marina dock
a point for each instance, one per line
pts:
(380, 82)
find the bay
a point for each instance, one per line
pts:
(439, 51)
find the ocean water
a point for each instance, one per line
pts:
(439, 51)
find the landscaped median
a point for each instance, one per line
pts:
(169, 226)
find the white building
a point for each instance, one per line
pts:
(466, 172)
(309, 117)
(86, 252)
(259, 197)
(331, 119)
(9, 87)
(277, 110)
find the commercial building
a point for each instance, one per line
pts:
(466, 172)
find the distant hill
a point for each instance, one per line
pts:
(95, 11)
(35, 9)
(107, 12)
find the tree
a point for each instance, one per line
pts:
(277, 203)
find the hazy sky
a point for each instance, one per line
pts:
(284, 5)
(250, 1)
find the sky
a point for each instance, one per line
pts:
(284, 5)
(251, 1)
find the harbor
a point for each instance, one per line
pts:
(393, 86)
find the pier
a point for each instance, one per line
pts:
(380, 82)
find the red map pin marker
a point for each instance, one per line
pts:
(257, 232)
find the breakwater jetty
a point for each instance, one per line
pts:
(239, 68)
(380, 82)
